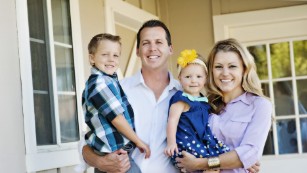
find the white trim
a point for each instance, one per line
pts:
(63, 44)
(26, 71)
(262, 24)
(37, 40)
(132, 62)
(78, 59)
(118, 11)
(295, 163)
(50, 160)
(55, 102)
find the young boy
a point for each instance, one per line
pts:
(107, 111)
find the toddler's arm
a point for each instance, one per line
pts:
(174, 114)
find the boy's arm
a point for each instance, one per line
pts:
(124, 128)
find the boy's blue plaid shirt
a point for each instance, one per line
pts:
(103, 99)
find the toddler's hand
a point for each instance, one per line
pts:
(171, 149)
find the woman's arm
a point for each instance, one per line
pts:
(229, 160)
(251, 144)
(117, 161)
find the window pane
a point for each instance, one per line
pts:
(44, 119)
(68, 118)
(280, 60)
(269, 144)
(61, 21)
(302, 96)
(283, 97)
(44, 122)
(303, 124)
(65, 69)
(36, 19)
(300, 57)
(39, 66)
(287, 139)
(259, 54)
(265, 89)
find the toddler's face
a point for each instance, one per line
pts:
(193, 78)
(106, 57)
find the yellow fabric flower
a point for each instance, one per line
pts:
(186, 56)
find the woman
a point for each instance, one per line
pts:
(243, 114)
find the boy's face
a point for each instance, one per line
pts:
(106, 57)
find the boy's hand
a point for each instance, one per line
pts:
(171, 149)
(143, 148)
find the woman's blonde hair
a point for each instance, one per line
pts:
(250, 81)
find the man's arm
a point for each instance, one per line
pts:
(117, 161)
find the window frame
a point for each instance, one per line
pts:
(49, 156)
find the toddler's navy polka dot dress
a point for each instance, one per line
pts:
(193, 132)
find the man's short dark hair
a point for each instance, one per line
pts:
(154, 23)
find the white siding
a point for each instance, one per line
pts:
(12, 147)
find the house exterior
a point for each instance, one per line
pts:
(44, 65)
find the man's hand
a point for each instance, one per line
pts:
(116, 162)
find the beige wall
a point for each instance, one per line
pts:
(92, 23)
(12, 147)
(191, 24)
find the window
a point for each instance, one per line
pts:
(50, 51)
(285, 64)
(53, 72)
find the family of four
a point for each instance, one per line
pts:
(152, 123)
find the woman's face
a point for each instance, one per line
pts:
(228, 73)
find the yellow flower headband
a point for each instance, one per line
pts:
(186, 56)
(189, 56)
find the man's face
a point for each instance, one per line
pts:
(154, 50)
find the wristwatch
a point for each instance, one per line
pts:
(214, 163)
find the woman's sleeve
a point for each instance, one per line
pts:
(253, 141)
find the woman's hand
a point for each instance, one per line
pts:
(187, 163)
(171, 149)
(255, 168)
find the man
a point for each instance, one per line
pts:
(149, 92)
